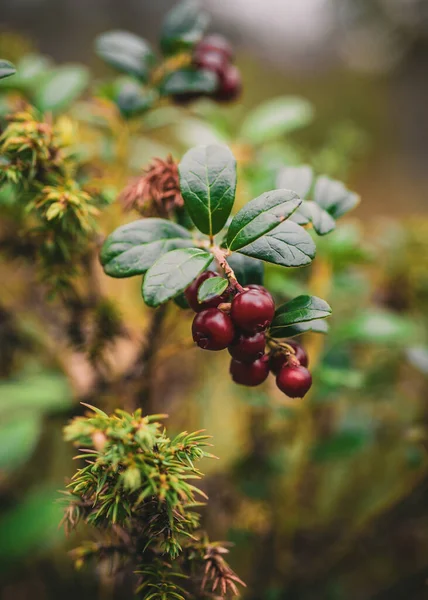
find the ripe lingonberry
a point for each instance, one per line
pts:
(278, 359)
(250, 374)
(191, 293)
(294, 381)
(252, 310)
(212, 329)
(211, 61)
(216, 43)
(230, 85)
(248, 348)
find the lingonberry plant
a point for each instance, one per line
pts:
(134, 489)
(198, 261)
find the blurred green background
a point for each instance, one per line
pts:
(327, 500)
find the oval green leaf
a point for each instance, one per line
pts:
(311, 212)
(298, 179)
(208, 183)
(260, 216)
(275, 118)
(316, 326)
(247, 270)
(6, 69)
(299, 310)
(288, 245)
(18, 438)
(133, 248)
(126, 52)
(172, 273)
(183, 26)
(211, 288)
(334, 197)
(61, 88)
(189, 81)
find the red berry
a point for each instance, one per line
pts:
(250, 374)
(252, 310)
(212, 329)
(294, 381)
(191, 293)
(216, 43)
(278, 359)
(230, 85)
(248, 348)
(211, 61)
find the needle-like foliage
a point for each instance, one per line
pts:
(136, 486)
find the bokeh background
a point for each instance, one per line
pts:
(329, 502)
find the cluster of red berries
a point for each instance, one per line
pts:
(238, 321)
(214, 53)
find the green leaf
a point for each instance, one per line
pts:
(30, 71)
(334, 197)
(275, 118)
(298, 179)
(311, 212)
(172, 273)
(378, 326)
(296, 311)
(132, 100)
(211, 288)
(418, 357)
(30, 526)
(288, 245)
(247, 270)
(133, 248)
(208, 183)
(61, 88)
(261, 215)
(40, 393)
(316, 326)
(6, 69)
(18, 438)
(189, 81)
(342, 445)
(183, 27)
(126, 52)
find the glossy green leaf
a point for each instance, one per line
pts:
(289, 331)
(133, 248)
(208, 183)
(18, 438)
(298, 179)
(296, 311)
(311, 212)
(30, 72)
(261, 215)
(6, 69)
(211, 288)
(275, 118)
(183, 27)
(61, 88)
(132, 100)
(288, 245)
(125, 52)
(247, 270)
(189, 81)
(172, 273)
(334, 197)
